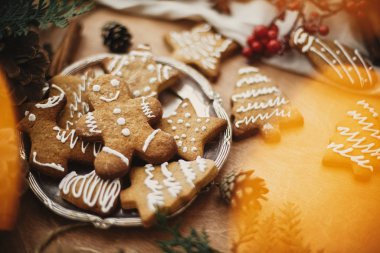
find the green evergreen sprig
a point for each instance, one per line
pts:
(194, 242)
(18, 16)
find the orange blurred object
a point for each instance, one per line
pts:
(10, 169)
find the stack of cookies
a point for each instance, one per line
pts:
(110, 123)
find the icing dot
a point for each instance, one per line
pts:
(174, 113)
(152, 80)
(334, 61)
(176, 137)
(187, 115)
(184, 105)
(179, 143)
(96, 87)
(119, 73)
(116, 111)
(192, 139)
(323, 50)
(147, 88)
(126, 132)
(170, 121)
(194, 149)
(115, 82)
(136, 93)
(199, 120)
(350, 69)
(26, 113)
(151, 67)
(204, 128)
(174, 128)
(183, 136)
(337, 52)
(187, 125)
(180, 121)
(354, 58)
(184, 149)
(120, 121)
(207, 120)
(196, 129)
(32, 117)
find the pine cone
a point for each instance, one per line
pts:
(242, 189)
(116, 37)
(25, 64)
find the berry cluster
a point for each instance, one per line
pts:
(357, 8)
(313, 24)
(263, 42)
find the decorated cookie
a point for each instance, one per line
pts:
(356, 142)
(337, 62)
(90, 192)
(52, 146)
(166, 188)
(125, 129)
(258, 105)
(201, 47)
(190, 131)
(144, 76)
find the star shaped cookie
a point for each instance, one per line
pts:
(190, 131)
(201, 47)
(144, 76)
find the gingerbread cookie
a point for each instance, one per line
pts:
(258, 105)
(166, 188)
(125, 128)
(90, 192)
(52, 147)
(337, 62)
(144, 76)
(190, 131)
(202, 48)
(356, 143)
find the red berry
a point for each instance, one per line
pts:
(273, 27)
(324, 30)
(247, 52)
(256, 47)
(250, 39)
(264, 41)
(261, 31)
(273, 46)
(272, 34)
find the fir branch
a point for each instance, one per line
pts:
(197, 242)
(18, 16)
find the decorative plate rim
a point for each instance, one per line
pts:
(105, 223)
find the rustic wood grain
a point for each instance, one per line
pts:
(338, 213)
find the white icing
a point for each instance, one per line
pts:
(50, 165)
(92, 189)
(201, 163)
(96, 87)
(199, 120)
(248, 70)
(174, 128)
(187, 115)
(116, 110)
(187, 124)
(126, 132)
(249, 80)
(120, 121)
(52, 101)
(252, 119)
(32, 117)
(278, 101)
(323, 57)
(184, 105)
(149, 139)
(110, 99)
(180, 121)
(268, 126)
(194, 149)
(184, 149)
(174, 187)
(156, 197)
(187, 171)
(116, 153)
(151, 67)
(146, 108)
(176, 137)
(63, 136)
(115, 82)
(91, 123)
(183, 136)
(203, 128)
(170, 121)
(364, 65)
(253, 93)
(136, 93)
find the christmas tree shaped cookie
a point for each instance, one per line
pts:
(201, 47)
(337, 62)
(356, 143)
(258, 105)
(166, 188)
(144, 76)
(190, 131)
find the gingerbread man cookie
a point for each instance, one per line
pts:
(125, 128)
(166, 188)
(144, 76)
(337, 62)
(90, 192)
(257, 104)
(356, 143)
(202, 48)
(190, 131)
(52, 147)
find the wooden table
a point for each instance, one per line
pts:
(338, 213)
